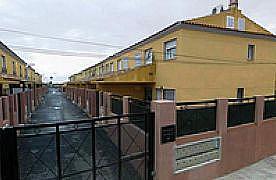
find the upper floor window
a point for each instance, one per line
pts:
(230, 22)
(26, 73)
(103, 69)
(4, 64)
(14, 68)
(251, 52)
(241, 24)
(111, 67)
(125, 63)
(20, 71)
(100, 70)
(148, 56)
(138, 60)
(170, 50)
(119, 65)
(107, 68)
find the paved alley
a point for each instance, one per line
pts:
(37, 148)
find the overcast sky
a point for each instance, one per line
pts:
(119, 23)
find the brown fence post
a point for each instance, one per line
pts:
(164, 152)
(1, 113)
(259, 110)
(104, 107)
(6, 110)
(126, 104)
(108, 104)
(221, 117)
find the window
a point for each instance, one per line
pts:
(158, 94)
(107, 68)
(103, 69)
(20, 71)
(240, 93)
(169, 94)
(111, 67)
(13, 68)
(119, 65)
(148, 56)
(125, 63)
(170, 50)
(230, 22)
(241, 24)
(100, 70)
(166, 94)
(251, 52)
(26, 73)
(4, 64)
(138, 60)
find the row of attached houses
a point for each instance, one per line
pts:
(224, 54)
(15, 74)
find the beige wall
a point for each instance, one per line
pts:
(211, 65)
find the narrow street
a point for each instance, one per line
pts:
(56, 108)
(38, 153)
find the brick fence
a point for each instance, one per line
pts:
(236, 147)
(16, 108)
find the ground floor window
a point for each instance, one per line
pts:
(240, 93)
(165, 94)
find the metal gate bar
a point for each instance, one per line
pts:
(11, 164)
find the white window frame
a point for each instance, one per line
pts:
(230, 22)
(160, 94)
(125, 63)
(170, 49)
(241, 24)
(148, 56)
(111, 67)
(107, 68)
(164, 90)
(119, 65)
(138, 60)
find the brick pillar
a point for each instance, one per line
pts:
(221, 117)
(23, 106)
(100, 103)
(93, 107)
(15, 110)
(32, 100)
(6, 110)
(108, 104)
(126, 104)
(164, 152)
(11, 106)
(1, 113)
(259, 110)
(104, 108)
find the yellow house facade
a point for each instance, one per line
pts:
(13, 71)
(221, 55)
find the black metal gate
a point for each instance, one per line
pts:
(100, 148)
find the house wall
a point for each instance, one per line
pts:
(211, 65)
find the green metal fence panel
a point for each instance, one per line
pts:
(196, 120)
(241, 113)
(270, 109)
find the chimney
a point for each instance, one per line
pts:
(234, 4)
